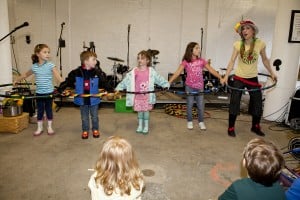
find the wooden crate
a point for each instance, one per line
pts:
(14, 124)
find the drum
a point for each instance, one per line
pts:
(112, 81)
(121, 69)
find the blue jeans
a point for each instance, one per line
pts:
(190, 102)
(44, 104)
(85, 111)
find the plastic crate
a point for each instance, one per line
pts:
(120, 106)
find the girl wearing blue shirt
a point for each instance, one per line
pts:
(44, 72)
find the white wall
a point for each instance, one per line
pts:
(289, 53)
(41, 17)
(222, 17)
(5, 61)
(164, 25)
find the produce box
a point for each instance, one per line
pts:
(14, 124)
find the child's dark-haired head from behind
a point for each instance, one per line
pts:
(263, 161)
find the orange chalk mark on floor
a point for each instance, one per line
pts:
(220, 168)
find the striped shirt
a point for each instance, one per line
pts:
(43, 77)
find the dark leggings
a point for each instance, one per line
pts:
(44, 104)
(255, 104)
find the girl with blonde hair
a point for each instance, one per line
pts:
(117, 174)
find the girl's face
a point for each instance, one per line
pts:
(142, 61)
(247, 32)
(44, 54)
(196, 51)
(90, 62)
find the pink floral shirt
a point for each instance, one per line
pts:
(141, 101)
(141, 83)
(194, 70)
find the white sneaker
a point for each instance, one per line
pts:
(190, 125)
(202, 126)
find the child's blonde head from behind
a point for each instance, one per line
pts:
(117, 168)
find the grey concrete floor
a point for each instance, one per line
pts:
(188, 164)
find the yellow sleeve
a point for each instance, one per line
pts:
(237, 45)
(262, 44)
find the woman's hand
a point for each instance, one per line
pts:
(274, 77)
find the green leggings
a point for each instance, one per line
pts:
(143, 115)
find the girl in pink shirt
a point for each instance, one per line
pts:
(194, 83)
(141, 80)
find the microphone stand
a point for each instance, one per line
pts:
(201, 42)
(8, 35)
(61, 44)
(11, 32)
(128, 34)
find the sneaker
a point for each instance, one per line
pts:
(257, 130)
(85, 135)
(202, 126)
(231, 132)
(190, 125)
(96, 134)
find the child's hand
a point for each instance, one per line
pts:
(15, 82)
(224, 80)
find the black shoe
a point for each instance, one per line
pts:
(257, 130)
(231, 132)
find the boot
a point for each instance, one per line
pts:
(140, 126)
(257, 130)
(255, 126)
(39, 130)
(50, 130)
(146, 118)
(146, 127)
(231, 132)
(140, 120)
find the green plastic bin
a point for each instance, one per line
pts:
(120, 106)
